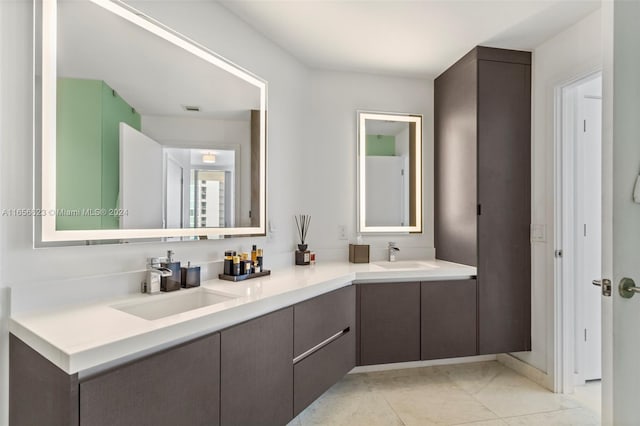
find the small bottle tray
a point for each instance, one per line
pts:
(236, 278)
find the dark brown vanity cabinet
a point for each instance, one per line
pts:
(389, 322)
(178, 386)
(483, 187)
(257, 371)
(448, 319)
(39, 392)
(324, 344)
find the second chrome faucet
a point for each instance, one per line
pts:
(392, 251)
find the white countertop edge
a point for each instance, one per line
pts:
(91, 360)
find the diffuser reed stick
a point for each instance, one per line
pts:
(302, 223)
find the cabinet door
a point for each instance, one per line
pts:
(257, 371)
(455, 162)
(389, 322)
(448, 319)
(504, 193)
(39, 392)
(180, 386)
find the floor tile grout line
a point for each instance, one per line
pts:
(381, 394)
(451, 382)
(472, 394)
(521, 415)
(547, 412)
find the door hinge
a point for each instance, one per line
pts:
(557, 253)
(479, 209)
(584, 128)
(585, 334)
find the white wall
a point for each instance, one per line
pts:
(45, 277)
(330, 158)
(569, 55)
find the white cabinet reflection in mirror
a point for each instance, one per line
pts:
(140, 177)
(390, 172)
(105, 65)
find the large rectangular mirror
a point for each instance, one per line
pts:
(389, 172)
(145, 133)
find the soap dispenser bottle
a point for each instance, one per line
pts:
(172, 282)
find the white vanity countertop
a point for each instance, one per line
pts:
(79, 338)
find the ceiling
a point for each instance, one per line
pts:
(149, 73)
(419, 38)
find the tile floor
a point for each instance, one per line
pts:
(481, 394)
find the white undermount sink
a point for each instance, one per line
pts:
(164, 305)
(405, 264)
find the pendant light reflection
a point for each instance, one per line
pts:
(208, 158)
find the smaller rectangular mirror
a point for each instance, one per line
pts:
(389, 172)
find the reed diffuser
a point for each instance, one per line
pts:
(303, 256)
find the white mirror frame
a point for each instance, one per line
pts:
(48, 147)
(362, 143)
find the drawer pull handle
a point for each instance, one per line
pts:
(320, 345)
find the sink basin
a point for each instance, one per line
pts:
(164, 305)
(405, 264)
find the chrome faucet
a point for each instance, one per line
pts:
(392, 251)
(155, 272)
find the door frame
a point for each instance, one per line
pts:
(564, 264)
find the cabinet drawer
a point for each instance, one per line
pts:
(319, 318)
(448, 319)
(319, 371)
(178, 386)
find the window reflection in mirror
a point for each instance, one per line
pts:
(390, 172)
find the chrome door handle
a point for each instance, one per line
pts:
(627, 288)
(605, 284)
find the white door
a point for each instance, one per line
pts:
(384, 188)
(140, 180)
(621, 216)
(587, 232)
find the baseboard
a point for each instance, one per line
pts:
(417, 364)
(528, 371)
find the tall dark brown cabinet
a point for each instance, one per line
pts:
(483, 187)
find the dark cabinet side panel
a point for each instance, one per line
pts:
(178, 386)
(504, 191)
(455, 96)
(322, 369)
(39, 392)
(257, 371)
(389, 323)
(317, 319)
(448, 319)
